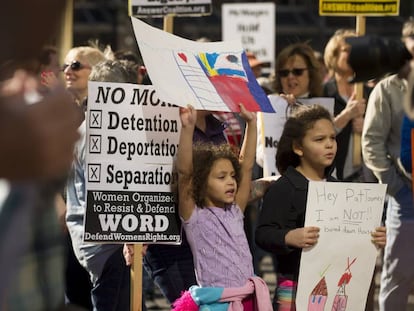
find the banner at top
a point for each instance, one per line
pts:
(160, 8)
(359, 7)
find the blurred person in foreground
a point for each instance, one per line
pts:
(37, 137)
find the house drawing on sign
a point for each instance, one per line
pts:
(319, 295)
(340, 300)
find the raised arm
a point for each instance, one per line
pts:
(247, 157)
(184, 163)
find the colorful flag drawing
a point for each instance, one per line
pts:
(212, 76)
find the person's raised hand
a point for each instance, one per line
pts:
(188, 116)
(247, 115)
(356, 107)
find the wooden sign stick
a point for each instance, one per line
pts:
(136, 279)
(359, 90)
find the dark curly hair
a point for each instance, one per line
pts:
(204, 156)
(296, 126)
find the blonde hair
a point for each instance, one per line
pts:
(333, 47)
(91, 55)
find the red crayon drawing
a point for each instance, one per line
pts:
(341, 298)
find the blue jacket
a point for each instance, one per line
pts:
(405, 153)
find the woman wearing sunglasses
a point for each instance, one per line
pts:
(298, 73)
(77, 67)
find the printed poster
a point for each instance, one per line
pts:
(131, 139)
(151, 8)
(336, 273)
(359, 7)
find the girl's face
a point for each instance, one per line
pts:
(221, 184)
(294, 76)
(318, 148)
(76, 73)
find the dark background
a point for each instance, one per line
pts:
(296, 21)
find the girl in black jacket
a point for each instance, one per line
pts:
(306, 151)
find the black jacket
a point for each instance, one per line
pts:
(284, 206)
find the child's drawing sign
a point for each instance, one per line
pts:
(336, 273)
(210, 76)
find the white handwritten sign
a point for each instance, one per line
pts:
(212, 76)
(336, 273)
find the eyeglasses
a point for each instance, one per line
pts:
(75, 66)
(295, 71)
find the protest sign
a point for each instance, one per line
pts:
(336, 273)
(212, 76)
(151, 8)
(131, 140)
(359, 7)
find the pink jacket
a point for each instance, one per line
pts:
(229, 299)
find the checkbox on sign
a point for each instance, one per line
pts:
(95, 119)
(95, 143)
(94, 172)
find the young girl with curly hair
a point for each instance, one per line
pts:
(214, 188)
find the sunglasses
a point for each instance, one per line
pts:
(75, 66)
(295, 71)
